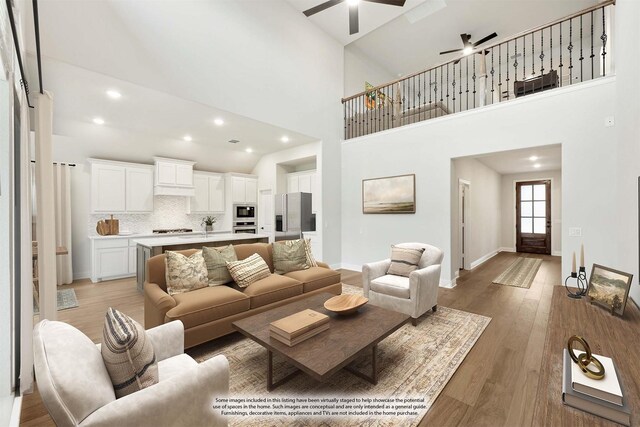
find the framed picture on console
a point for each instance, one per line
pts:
(389, 195)
(609, 288)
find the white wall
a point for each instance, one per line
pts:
(426, 149)
(508, 205)
(483, 216)
(359, 68)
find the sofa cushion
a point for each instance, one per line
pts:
(263, 249)
(311, 261)
(206, 305)
(216, 261)
(185, 273)
(271, 289)
(128, 354)
(404, 261)
(175, 365)
(395, 286)
(248, 270)
(315, 278)
(289, 257)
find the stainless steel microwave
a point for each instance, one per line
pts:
(244, 212)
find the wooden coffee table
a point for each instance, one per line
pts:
(321, 356)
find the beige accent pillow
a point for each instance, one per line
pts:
(404, 260)
(289, 257)
(216, 261)
(311, 261)
(184, 274)
(128, 354)
(248, 270)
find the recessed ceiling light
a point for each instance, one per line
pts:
(114, 94)
(353, 2)
(284, 139)
(537, 165)
(249, 150)
(533, 158)
(187, 138)
(467, 50)
(218, 122)
(98, 121)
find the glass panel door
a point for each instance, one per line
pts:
(533, 209)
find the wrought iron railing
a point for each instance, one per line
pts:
(567, 51)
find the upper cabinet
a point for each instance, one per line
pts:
(244, 189)
(304, 182)
(173, 177)
(209, 193)
(118, 187)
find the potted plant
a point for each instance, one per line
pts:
(208, 222)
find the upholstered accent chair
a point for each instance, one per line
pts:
(413, 295)
(76, 388)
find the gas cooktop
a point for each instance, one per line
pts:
(172, 230)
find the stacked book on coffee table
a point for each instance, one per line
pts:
(298, 327)
(603, 398)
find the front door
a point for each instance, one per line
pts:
(533, 217)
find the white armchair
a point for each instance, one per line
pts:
(413, 295)
(76, 389)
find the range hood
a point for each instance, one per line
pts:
(173, 177)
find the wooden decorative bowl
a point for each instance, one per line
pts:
(345, 304)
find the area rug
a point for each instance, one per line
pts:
(414, 362)
(519, 274)
(66, 299)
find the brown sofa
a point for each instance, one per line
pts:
(207, 313)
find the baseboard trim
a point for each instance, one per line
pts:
(484, 259)
(82, 275)
(506, 249)
(448, 284)
(556, 253)
(14, 421)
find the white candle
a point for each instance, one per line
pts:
(582, 255)
(573, 263)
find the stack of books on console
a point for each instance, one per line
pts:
(603, 398)
(298, 327)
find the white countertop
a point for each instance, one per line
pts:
(154, 235)
(191, 239)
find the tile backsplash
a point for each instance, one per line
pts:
(168, 212)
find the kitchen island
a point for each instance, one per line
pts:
(148, 247)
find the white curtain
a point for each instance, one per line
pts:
(62, 186)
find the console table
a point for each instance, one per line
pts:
(612, 336)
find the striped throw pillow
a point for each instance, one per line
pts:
(128, 354)
(289, 257)
(248, 270)
(216, 261)
(404, 260)
(184, 274)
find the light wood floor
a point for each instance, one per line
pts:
(496, 384)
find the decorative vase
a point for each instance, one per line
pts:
(209, 227)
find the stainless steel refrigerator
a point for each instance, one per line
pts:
(292, 215)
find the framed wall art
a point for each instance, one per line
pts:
(609, 288)
(389, 195)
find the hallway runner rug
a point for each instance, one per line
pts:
(66, 299)
(519, 274)
(415, 362)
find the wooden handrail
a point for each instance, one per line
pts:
(479, 50)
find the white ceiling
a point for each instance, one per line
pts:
(335, 20)
(403, 48)
(518, 161)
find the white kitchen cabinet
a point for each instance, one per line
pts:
(132, 260)
(173, 177)
(119, 187)
(112, 258)
(209, 193)
(139, 189)
(244, 189)
(304, 182)
(184, 174)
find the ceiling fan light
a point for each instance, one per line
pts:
(353, 2)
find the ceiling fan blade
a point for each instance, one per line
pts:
(450, 51)
(321, 7)
(486, 39)
(389, 2)
(354, 25)
(465, 39)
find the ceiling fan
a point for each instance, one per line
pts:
(354, 25)
(468, 46)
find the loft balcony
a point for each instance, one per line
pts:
(565, 52)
